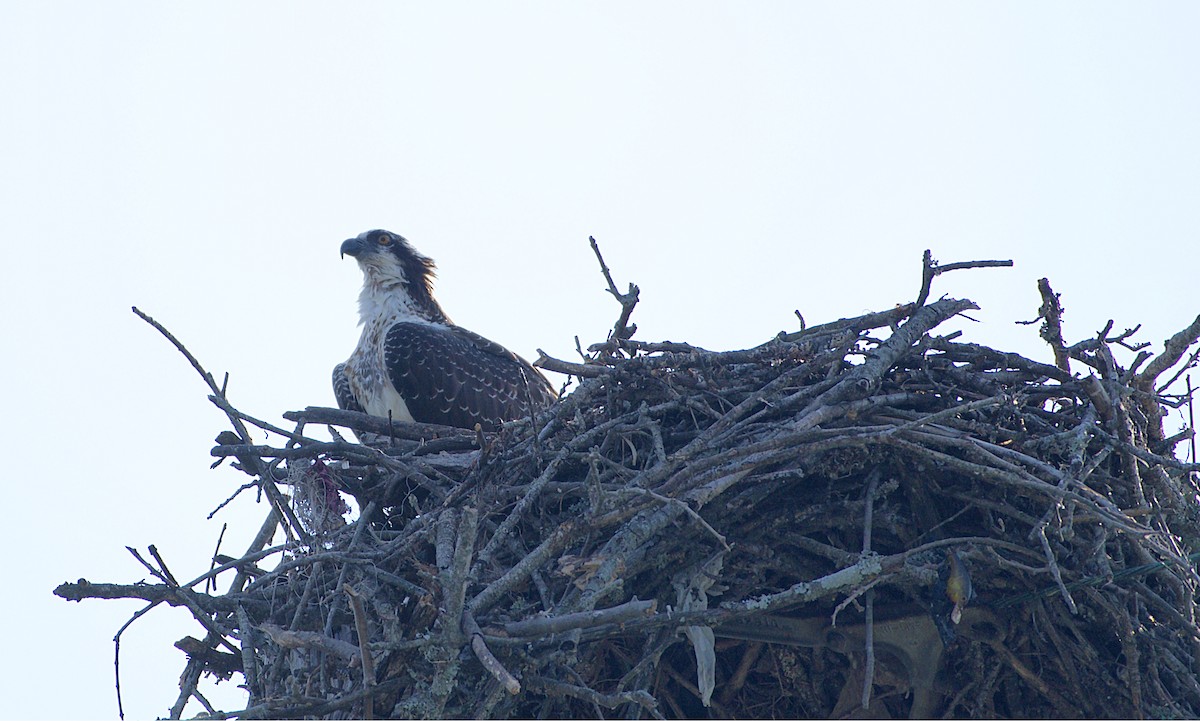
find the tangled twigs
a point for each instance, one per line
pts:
(743, 498)
(259, 468)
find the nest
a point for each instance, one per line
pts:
(861, 517)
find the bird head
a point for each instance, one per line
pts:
(390, 264)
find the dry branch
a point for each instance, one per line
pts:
(749, 496)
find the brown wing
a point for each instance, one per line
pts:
(458, 378)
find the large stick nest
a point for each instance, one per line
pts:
(791, 530)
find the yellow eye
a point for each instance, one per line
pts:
(384, 239)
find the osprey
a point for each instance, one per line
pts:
(412, 363)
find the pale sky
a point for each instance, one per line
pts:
(738, 161)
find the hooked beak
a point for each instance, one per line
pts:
(353, 247)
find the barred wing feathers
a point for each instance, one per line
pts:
(342, 392)
(452, 376)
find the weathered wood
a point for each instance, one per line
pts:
(769, 489)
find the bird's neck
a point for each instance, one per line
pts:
(388, 301)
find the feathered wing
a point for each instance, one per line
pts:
(452, 376)
(341, 390)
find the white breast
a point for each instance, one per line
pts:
(368, 377)
(382, 303)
